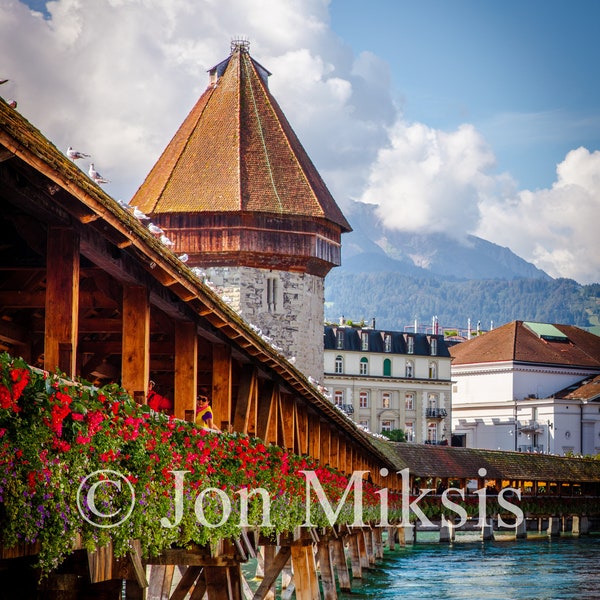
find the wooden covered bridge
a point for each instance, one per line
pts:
(85, 288)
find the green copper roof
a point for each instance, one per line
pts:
(546, 331)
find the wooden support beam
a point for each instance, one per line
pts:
(355, 561)
(265, 409)
(314, 435)
(334, 448)
(286, 405)
(273, 566)
(62, 300)
(301, 429)
(247, 391)
(221, 386)
(186, 583)
(340, 564)
(326, 570)
(325, 437)
(135, 360)
(273, 436)
(223, 583)
(303, 564)
(186, 378)
(160, 582)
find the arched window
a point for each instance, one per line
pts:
(364, 366)
(432, 370)
(387, 368)
(339, 364)
(410, 368)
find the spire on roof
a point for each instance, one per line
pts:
(240, 45)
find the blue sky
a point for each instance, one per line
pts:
(457, 116)
(523, 72)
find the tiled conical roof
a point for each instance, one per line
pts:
(236, 152)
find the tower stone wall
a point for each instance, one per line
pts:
(287, 307)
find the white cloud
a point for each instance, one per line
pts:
(115, 78)
(430, 180)
(557, 228)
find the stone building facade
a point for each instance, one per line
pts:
(389, 380)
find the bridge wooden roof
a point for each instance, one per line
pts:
(424, 460)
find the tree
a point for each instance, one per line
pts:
(395, 435)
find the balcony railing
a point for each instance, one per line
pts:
(436, 413)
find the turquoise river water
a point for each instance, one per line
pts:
(534, 569)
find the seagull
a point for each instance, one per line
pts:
(12, 103)
(138, 214)
(96, 176)
(183, 258)
(155, 229)
(166, 241)
(74, 155)
(3, 81)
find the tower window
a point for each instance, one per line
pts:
(272, 290)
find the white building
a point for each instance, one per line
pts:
(530, 387)
(389, 380)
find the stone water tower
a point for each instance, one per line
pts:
(236, 191)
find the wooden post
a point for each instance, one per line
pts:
(303, 563)
(223, 583)
(301, 436)
(245, 398)
(186, 378)
(264, 409)
(324, 549)
(273, 565)
(340, 564)
(355, 561)
(378, 542)
(391, 537)
(363, 550)
(160, 582)
(62, 301)
(135, 362)
(221, 386)
(286, 421)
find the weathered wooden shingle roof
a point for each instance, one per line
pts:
(519, 342)
(236, 152)
(425, 460)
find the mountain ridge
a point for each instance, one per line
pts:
(399, 277)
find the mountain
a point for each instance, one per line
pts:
(397, 277)
(422, 254)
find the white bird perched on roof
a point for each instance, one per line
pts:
(12, 103)
(96, 176)
(75, 155)
(138, 214)
(183, 258)
(166, 241)
(155, 229)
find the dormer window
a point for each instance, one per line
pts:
(387, 343)
(339, 339)
(434, 346)
(410, 345)
(364, 341)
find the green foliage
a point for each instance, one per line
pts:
(395, 435)
(396, 300)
